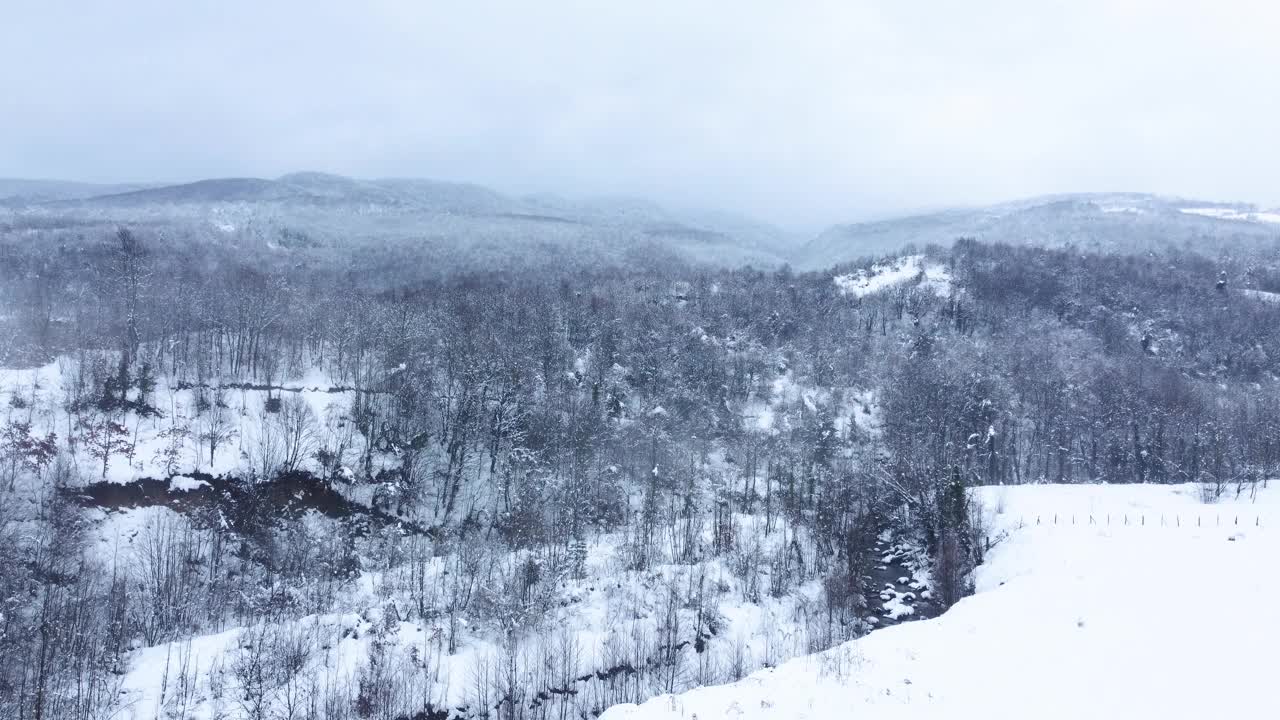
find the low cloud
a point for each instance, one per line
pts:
(801, 113)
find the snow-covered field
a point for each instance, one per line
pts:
(1233, 214)
(1170, 616)
(929, 276)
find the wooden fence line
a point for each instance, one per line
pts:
(1140, 520)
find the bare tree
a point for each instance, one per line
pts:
(297, 431)
(216, 426)
(104, 438)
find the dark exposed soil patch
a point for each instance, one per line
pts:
(239, 505)
(266, 387)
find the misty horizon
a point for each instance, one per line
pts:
(866, 215)
(801, 117)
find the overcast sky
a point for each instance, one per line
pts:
(802, 113)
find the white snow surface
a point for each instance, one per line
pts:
(1223, 213)
(778, 410)
(930, 276)
(185, 483)
(43, 391)
(1159, 618)
(1262, 295)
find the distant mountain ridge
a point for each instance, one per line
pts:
(458, 225)
(316, 189)
(468, 225)
(1124, 222)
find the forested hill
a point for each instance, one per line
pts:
(392, 232)
(706, 470)
(1085, 339)
(1098, 222)
(374, 228)
(1097, 354)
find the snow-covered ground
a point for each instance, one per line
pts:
(1262, 295)
(610, 616)
(930, 276)
(1226, 213)
(787, 399)
(150, 445)
(1169, 616)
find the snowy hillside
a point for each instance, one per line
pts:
(1138, 602)
(170, 463)
(607, 623)
(1108, 222)
(213, 428)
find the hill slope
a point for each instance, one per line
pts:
(1069, 621)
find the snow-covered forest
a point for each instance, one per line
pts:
(662, 360)
(246, 482)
